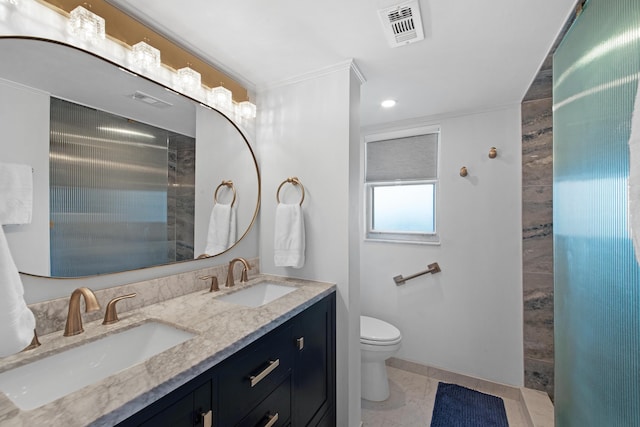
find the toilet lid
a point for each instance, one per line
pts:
(378, 331)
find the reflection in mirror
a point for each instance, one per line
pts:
(117, 183)
(110, 193)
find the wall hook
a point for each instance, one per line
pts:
(463, 171)
(493, 153)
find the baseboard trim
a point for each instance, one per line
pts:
(537, 407)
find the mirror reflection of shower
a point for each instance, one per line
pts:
(121, 192)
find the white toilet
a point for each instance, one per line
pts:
(378, 341)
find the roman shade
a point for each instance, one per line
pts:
(408, 158)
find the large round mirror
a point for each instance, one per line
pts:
(125, 170)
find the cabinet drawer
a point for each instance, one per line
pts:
(181, 407)
(274, 411)
(253, 373)
(185, 412)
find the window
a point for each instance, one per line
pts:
(401, 183)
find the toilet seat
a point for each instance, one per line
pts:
(378, 332)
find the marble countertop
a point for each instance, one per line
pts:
(221, 329)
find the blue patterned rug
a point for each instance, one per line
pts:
(458, 406)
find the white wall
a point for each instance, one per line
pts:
(467, 319)
(24, 121)
(309, 129)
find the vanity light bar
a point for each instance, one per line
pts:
(247, 110)
(221, 97)
(188, 78)
(145, 56)
(129, 31)
(86, 25)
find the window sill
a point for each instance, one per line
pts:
(416, 240)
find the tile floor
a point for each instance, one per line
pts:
(412, 396)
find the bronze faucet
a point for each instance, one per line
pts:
(74, 318)
(111, 314)
(243, 277)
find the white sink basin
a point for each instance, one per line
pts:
(45, 380)
(257, 295)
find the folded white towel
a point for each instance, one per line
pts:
(16, 193)
(289, 240)
(222, 232)
(16, 320)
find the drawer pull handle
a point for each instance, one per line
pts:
(300, 343)
(255, 379)
(207, 419)
(272, 420)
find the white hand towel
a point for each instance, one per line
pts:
(233, 226)
(16, 320)
(16, 193)
(289, 240)
(219, 229)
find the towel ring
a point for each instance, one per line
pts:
(295, 181)
(225, 184)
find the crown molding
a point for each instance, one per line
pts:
(349, 64)
(433, 120)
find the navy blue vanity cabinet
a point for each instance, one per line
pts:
(251, 375)
(193, 404)
(274, 411)
(313, 395)
(192, 410)
(285, 378)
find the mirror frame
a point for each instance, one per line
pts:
(137, 74)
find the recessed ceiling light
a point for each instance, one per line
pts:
(388, 103)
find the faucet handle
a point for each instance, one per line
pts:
(35, 343)
(110, 314)
(214, 282)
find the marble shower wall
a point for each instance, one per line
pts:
(537, 223)
(537, 235)
(181, 196)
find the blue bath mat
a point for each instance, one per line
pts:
(458, 406)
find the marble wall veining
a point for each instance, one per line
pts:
(185, 198)
(172, 165)
(51, 315)
(537, 226)
(537, 235)
(181, 197)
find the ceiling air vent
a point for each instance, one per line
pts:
(150, 100)
(402, 23)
